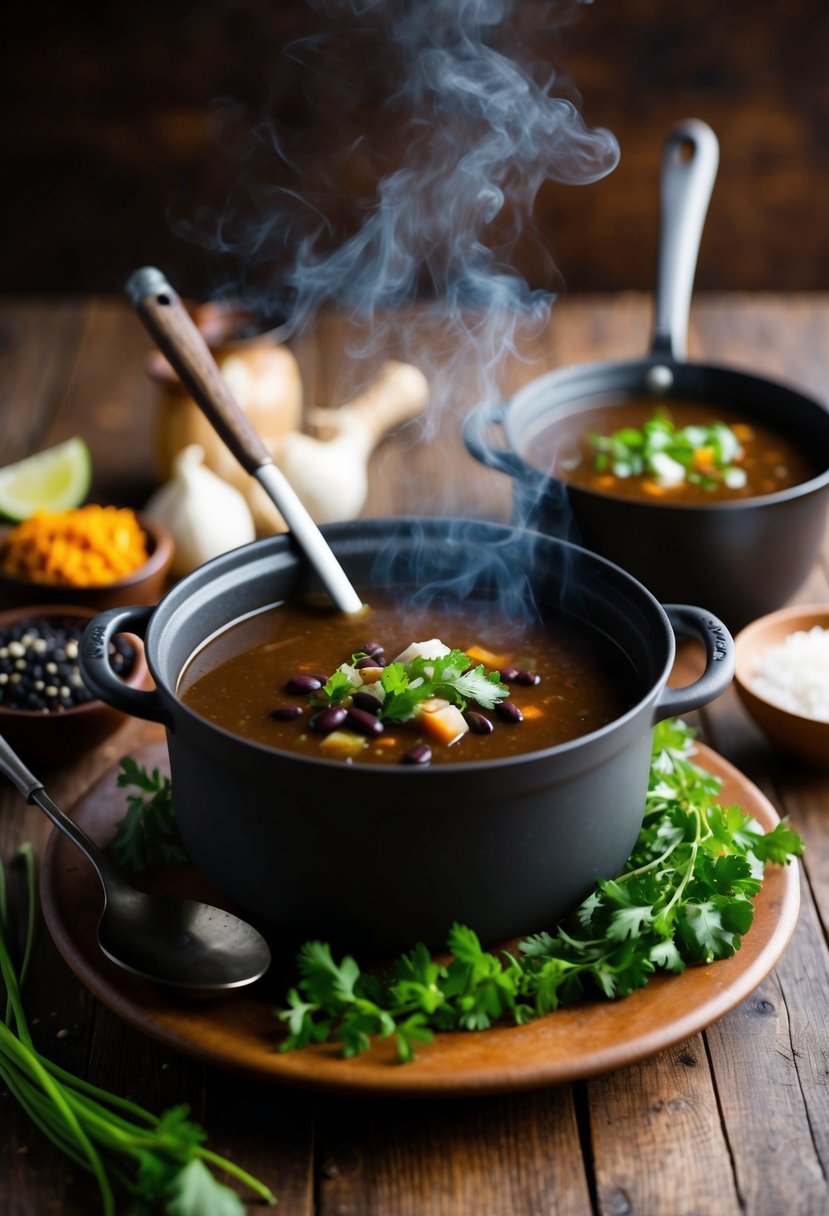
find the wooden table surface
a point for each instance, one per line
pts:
(735, 1120)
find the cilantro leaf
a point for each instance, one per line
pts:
(194, 1191)
(148, 833)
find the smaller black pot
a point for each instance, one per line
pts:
(743, 558)
(377, 857)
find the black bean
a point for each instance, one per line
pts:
(479, 724)
(284, 713)
(527, 678)
(321, 676)
(364, 723)
(328, 719)
(373, 649)
(421, 753)
(508, 674)
(302, 685)
(365, 700)
(509, 711)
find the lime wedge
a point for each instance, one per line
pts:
(53, 480)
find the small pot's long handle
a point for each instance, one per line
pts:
(689, 168)
(98, 675)
(720, 660)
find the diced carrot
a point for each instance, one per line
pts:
(480, 654)
(605, 481)
(531, 712)
(703, 460)
(445, 725)
(386, 741)
(653, 488)
(742, 430)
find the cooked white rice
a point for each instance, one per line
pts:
(795, 674)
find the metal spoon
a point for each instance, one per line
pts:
(177, 336)
(178, 942)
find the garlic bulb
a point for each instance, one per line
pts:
(205, 515)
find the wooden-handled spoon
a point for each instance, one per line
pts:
(178, 338)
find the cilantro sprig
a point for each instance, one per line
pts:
(160, 1160)
(148, 833)
(703, 455)
(684, 897)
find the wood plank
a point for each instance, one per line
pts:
(514, 1156)
(769, 1059)
(38, 347)
(658, 1143)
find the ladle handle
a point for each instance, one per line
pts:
(689, 168)
(34, 793)
(180, 340)
(178, 337)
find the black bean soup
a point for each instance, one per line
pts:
(406, 686)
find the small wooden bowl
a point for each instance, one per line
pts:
(144, 586)
(800, 736)
(61, 736)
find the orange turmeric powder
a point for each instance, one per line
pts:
(85, 547)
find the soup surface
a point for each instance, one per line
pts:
(313, 681)
(671, 451)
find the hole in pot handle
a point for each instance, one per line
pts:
(93, 653)
(719, 661)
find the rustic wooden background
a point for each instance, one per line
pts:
(120, 122)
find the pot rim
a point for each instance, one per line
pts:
(577, 371)
(229, 562)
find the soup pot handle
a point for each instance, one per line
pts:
(719, 661)
(490, 413)
(99, 676)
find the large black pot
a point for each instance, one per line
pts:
(742, 558)
(377, 857)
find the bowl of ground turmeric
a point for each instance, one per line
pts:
(96, 556)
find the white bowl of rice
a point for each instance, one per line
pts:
(782, 678)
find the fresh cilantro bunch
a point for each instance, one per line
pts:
(148, 833)
(405, 686)
(701, 455)
(684, 897)
(161, 1161)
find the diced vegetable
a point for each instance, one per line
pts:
(341, 744)
(433, 649)
(444, 725)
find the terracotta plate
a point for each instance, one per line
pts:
(241, 1033)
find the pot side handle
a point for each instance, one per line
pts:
(475, 424)
(93, 653)
(720, 660)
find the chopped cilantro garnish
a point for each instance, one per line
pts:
(405, 686)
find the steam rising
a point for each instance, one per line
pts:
(476, 127)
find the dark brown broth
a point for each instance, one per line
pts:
(772, 461)
(239, 676)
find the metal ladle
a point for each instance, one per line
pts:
(182, 943)
(179, 339)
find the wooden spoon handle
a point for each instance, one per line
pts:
(178, 337)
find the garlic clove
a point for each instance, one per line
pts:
(205, 515)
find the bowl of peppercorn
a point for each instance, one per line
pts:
(47, 714)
